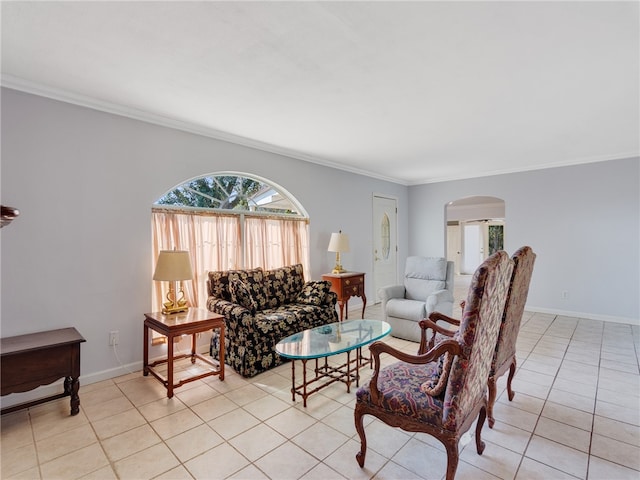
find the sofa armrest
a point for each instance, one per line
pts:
(317, 292)
(235, 315)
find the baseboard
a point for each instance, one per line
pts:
(588, 316)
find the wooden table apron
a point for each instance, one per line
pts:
(36, 359)
(209, 322)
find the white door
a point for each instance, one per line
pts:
(385, 240)
(473, 247)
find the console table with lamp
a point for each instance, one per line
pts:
(345, 284)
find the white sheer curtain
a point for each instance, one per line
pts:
(214, 242)
(274, 242)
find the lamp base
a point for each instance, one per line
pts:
(338, 270)
(173, 310)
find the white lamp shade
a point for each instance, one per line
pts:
(339, 243)
(173, 265)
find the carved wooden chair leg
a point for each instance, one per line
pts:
(492, 399)
(512, 372)
(452, 458)
(479, 424)
(360, 456)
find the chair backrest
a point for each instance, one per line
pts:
(523, 260)
(425, 275)
(477, 335)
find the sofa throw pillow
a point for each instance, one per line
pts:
(241, 295)
(438, 382)
(313, 293)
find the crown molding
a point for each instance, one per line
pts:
(34, 88)
(546, 166)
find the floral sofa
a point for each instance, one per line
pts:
(260, 308)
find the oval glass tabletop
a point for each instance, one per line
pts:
(332, 339)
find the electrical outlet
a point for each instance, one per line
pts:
(565, 294)
(114, 336)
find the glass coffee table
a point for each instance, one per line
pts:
(325, 341)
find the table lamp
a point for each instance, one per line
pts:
(339, 243)
(173, 266)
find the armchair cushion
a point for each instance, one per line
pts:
(400, 392)
(411, 309)
(423, 276)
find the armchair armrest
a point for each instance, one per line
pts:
(435, 328)
(378, 348)
(438, 297)
(391, 291)
(436, 316)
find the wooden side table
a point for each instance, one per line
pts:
(347, 285)
(36, 359)
(193, 321)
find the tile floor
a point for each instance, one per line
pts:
(576, 414)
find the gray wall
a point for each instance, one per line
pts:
(84, 181)
(582, 221)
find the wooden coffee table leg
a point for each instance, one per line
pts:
(293, 380)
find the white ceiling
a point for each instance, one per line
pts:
(411, 92)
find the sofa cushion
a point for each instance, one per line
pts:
(254, 281)
(313, 293)
(281, 285)
(241, 295)
(219, 281)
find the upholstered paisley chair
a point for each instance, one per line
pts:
(442, 391)
(504, 357)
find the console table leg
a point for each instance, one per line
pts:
(145, 350)
(72, 386)
(169, 366)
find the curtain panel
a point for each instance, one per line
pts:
(216, 242)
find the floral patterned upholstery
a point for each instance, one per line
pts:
(396, 393)
(505, 353)
(284, 305)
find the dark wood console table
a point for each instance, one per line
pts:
(36, 359)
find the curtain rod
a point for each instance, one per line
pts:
(210, 212)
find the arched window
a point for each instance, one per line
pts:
(229, 221)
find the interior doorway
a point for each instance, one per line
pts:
(385, 241)
(475, 230)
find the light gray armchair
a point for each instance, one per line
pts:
(428, 287)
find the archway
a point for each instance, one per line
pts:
(475, 229)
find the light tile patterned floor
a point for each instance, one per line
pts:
(575, 415)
